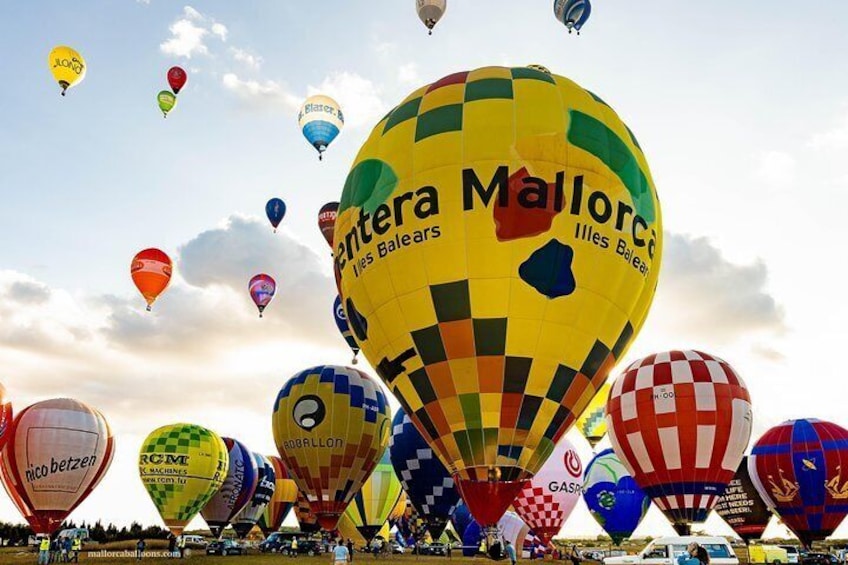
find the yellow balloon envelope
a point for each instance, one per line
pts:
(399, 509)
(497, 247)
(331, 425)
(182, 466)
(593, 422)
(370, 508)
(67, 66)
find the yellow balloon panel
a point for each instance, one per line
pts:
(182, 466)
(377, 498)
(497, 249)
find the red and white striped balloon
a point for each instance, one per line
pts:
(680, 422)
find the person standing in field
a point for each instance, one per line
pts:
(341, 555)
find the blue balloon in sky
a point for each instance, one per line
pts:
(427, 483)
(320, 119)
(344, 329)
(275, 209)
(572, 13)
(613, 497)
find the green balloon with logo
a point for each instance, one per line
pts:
(167, 101)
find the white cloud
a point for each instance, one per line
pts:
(408, 74)
(220, 30)
(189, 32)
(249, 60)
(834, 139)
(359, 97)
(776, 168)
(264, 95)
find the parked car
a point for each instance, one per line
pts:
(272, 543)
(195, 542)
(793, 554)
(819, 559)
(773, 554)
(430, 549)
(224, 547)
(664, 551)
(304, 547)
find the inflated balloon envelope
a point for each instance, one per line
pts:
(497, 248)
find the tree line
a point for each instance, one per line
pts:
(18, 534)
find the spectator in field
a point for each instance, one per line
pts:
(44, 551)
(139, 549)
(341, 554)
(510, 552)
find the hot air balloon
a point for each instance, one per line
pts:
(497, 249)
(275, 209)
(399, 509)
(262, 288)
(430, 12)
(239, 485)
(151, 271)
(57, 452)
(411, 523)
(680, 422)
(320, 119)
(796, 468)
(460, 518)
(613, 497)
(283, 499)
(177, 78)
(548, 499)
(509, 528)
(67, 66)
(182, 466)
(331, 425)
(327, 221)
(6, 416)
(306, 519)
(428, 484)
(247, 518)
(370, 508)
(344, 329)
(741, 506)
(167, 101)
(593, 422)
(572, 13)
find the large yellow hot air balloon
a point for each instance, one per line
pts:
(593, 422)
(182, 466)
(331, 425)
(370, 508)
(497, 248)
(67, 66)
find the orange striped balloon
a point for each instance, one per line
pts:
(151, 272)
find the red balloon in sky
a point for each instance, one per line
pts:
(5, 416)
(177, 78)
(57, 453)
(327, 221)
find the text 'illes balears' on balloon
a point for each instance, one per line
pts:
(331, 425)
(614, 499)
(275, 209)
(742, 507)
(57, 453)
(344, 328)
(572, 13)
(797, 468)
(497, 248)
(167, 101)
(6, 416)
(247, 518)
(182, 466)
(547, 500)
(235, 492)
(430, 12)
(370, 508)
(320, 120)
(284, 497)
(177, 78)
(428, 484)
(151, 271)
(67, 67)
(262, 288)
(593, 422)
(327, 221)
(680, 422)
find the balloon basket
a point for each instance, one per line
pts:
(149, 308)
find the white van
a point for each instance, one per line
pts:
(664, 551)
(192, 541)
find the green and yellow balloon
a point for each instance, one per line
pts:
(167, 100)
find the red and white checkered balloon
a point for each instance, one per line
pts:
(680, 422)
(546, 501)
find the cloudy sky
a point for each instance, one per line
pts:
(740, 107)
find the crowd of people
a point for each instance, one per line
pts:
(61, 549)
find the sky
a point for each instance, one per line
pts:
(740, 108)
